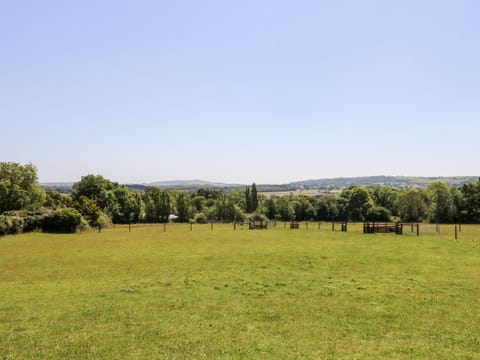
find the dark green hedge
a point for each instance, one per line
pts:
(65, 220)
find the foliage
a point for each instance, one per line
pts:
(184, 207)
(201, 218)
(378, 213)
(358, 201)
(54, 200)
(94, 197)
(441, 203)
(256, 216)
(159, 204)
(386, 197)
(88, 208)
(62, 220)
(470, 211)
(327, 208)
(413, 206)
(251, 198)
(99, 190)
(65, 220)
(129, 205)
(18, 187)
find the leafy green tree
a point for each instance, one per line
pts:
(128, 206)
(65, 220)
(470, 210)
(89, 209)
(248, 200)
(164, 205)
(303, 208)
(184, 206)
(100, 190)
(458, 203)
(326, 207)
(159, 204)
(386, 197)
(224, 209)
(377, 213)
(19, 188)
(150, 197)
(413, 206)
(254, 197)
(441, 202)
(285, 208)
(150, 211)
(209, 193)
(271, 208)
(251, 198)
(358, 202)
(198, 203)
(54, 200)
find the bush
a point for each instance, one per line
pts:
(103, 221)
(25, 221)
(65, 220)
(256, 216)
(377, 213)
(62, 221)
(5, 225)
(201, 218)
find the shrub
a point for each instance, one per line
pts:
(17, 224)
(256, 216)
(62, 221)
(65, 220)
(201, 218)
(103, 221)
(5, 225)
(377, 213)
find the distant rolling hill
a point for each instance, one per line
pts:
(393, 181)
(191, 183)
(327, 183)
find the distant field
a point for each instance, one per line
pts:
(264, 294)
(307, 192)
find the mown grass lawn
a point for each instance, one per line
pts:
(265, 294)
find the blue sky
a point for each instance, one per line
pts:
(240, 91)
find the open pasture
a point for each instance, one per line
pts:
(266, 294)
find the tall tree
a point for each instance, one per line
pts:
(441, 202)
(358, 202)
(100, 190)
(470, 211)
(248, 200)
(413, 206)
(327, 208)
(251, 198)
(271, 208)
(184, 206)
(129, 205)
(385, 196)
(254, 197)
(164, 205)
(19, 188)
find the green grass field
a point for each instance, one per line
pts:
(220, 294)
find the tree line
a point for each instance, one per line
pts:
(99, 202)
